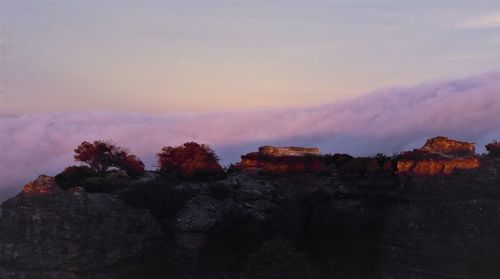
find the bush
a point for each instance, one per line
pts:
(102, 155)
(363, 166)
(493, 149)
(190, 160)
(74, 176)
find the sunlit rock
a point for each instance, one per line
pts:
(42, 185)
(439, 156)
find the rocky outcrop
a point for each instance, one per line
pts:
(439, 156)
(46, 232)
(288, 151)
(444, 145)
(43, 185)
(283, 160)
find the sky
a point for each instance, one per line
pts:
(206, 56)
(357, 77)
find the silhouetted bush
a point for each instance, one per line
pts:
(191, 160)
(278, 259)
(363, 166)
(337, 160)
(74, 176)
(102, 155)
(493, 149)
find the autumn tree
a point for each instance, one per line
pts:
(190, 160)
(102, 155)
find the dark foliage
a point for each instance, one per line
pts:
(74, 176)
(190, 160)
(160, 196)
(361, 166)
(493, 149)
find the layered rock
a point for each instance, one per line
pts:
(283, 160)
(439, 156)
(288, 151)
(448, 146)
(46, 232)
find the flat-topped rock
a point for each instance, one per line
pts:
(283, 160)
(288, 151)
(448, 146)
(439, 156)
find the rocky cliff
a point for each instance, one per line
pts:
(439, 156)
(46, 232)
(335, 226)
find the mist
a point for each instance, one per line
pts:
(388, 121)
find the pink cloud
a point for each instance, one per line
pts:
(389, 120)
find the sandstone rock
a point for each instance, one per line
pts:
(42, 185)
(70, 234)
(283, 160)
(439, 156)
(288, 151)
(445, 145)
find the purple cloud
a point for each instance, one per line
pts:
(389, 120)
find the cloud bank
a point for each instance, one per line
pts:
(388, 121)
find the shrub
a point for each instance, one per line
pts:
(74, 176)
(131, 164)
(190, 160)
(361, 166)
(493, 149)
(102, 155)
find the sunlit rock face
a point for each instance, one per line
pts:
(439, 156)
(445, 145)
(283, 160)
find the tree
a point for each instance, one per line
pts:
(493, 149)
(102, 155)
(190, 160)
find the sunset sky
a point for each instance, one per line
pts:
(351, 76)
(205, 56)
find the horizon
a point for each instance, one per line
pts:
(357, 77)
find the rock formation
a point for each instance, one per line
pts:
(444, 145)
(283, 160)
(439, 156)
(46, 232)
(288, 151)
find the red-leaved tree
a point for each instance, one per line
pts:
(102, 155)
(190, 160)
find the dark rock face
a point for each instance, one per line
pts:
(444, 229)
(342, 226)
(49, 233)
